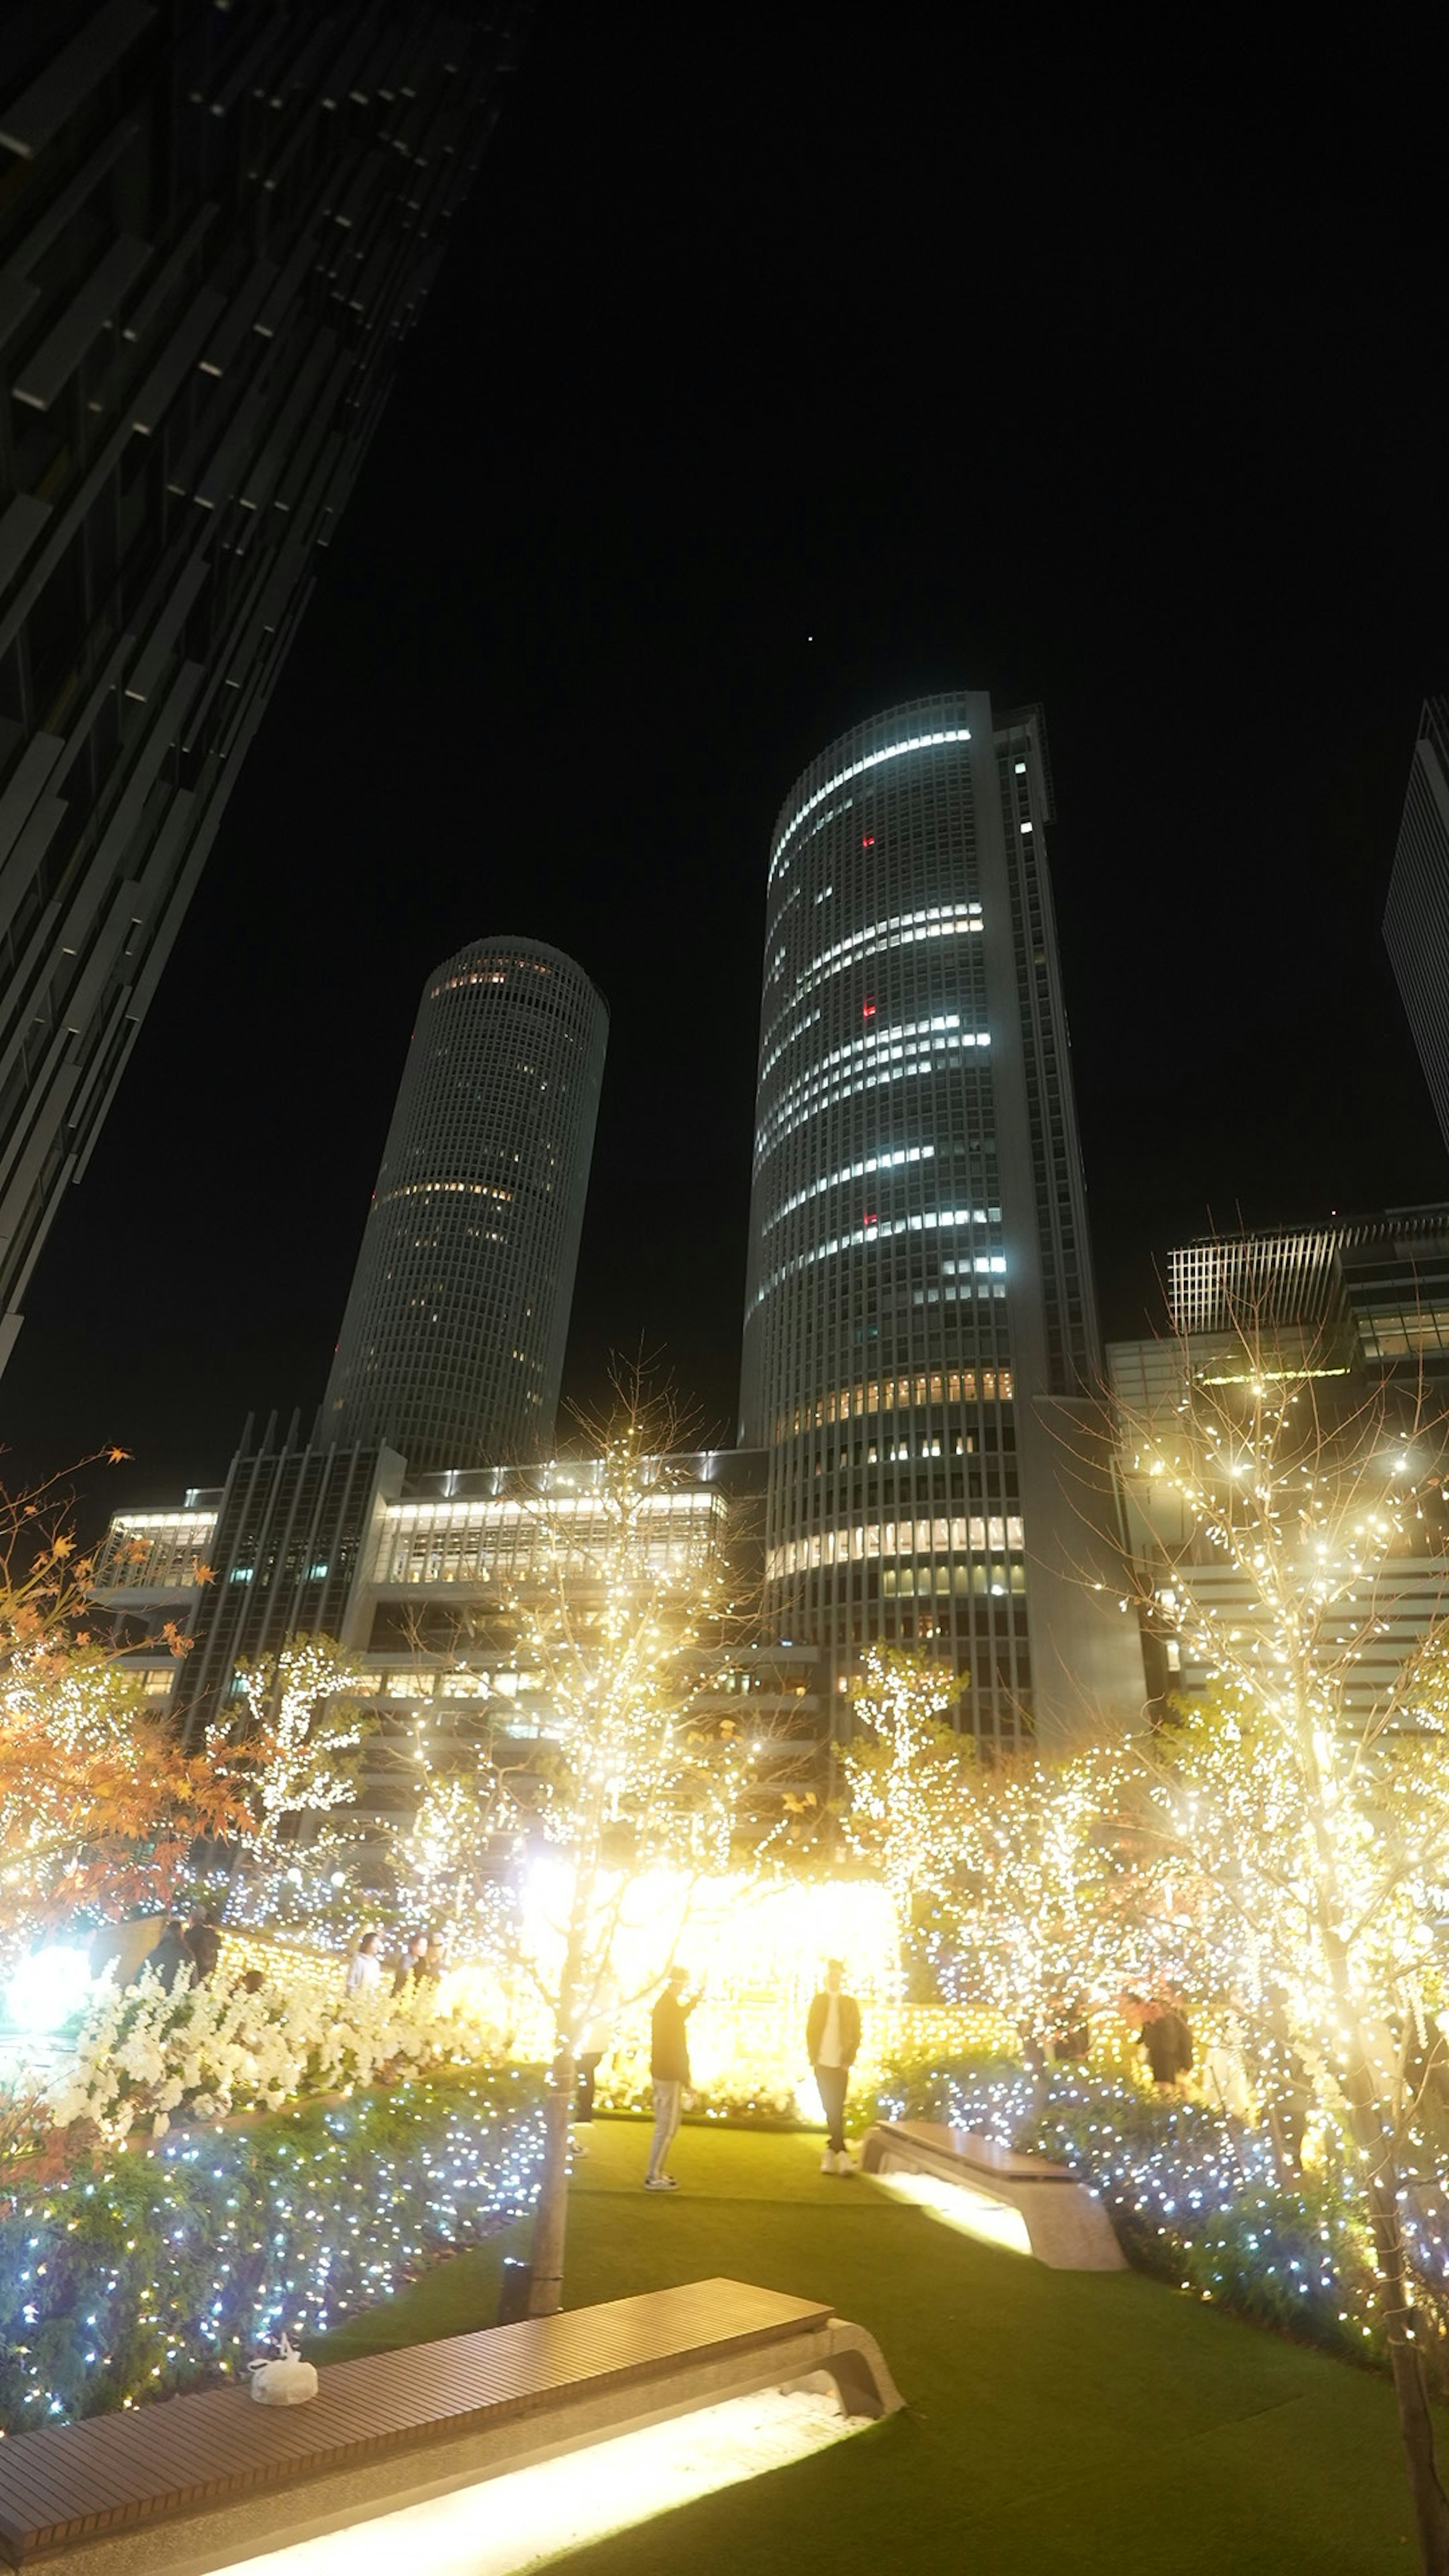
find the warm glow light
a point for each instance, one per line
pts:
(759, 1950)
(957, 2205)
(47, 1988)
(537, 2513)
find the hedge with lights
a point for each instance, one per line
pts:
(146, 2271)
(1193, 2201)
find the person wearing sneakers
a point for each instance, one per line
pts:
(832, 2036)
(669, 2067)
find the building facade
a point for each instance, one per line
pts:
(1367, 1291)
(216, 229)
(921, 1359)
(1416, 917)
(1356, 1313)
(452, 1342)
(419, 1581)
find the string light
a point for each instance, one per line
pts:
(144, 2272)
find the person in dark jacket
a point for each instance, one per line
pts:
(203, 1942)
(1166, 2042)
(420, 1959)
(832, 2038)
(171, 1961)
(669, 2067)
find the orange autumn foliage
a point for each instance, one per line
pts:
(100, 1804)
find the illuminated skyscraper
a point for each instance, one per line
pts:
(920, 1352)
(217, 227)
(1416, 917)
(452, 1345)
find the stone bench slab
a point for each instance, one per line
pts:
(1066, 2225)
(191, 2483)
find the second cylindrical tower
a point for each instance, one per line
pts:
(452, 1343)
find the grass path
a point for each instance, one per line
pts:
(1056, 2422)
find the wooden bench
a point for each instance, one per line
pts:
(191, 2484)
(1065, 2223)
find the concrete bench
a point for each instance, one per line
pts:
(191, 2484)
(1066, 2225)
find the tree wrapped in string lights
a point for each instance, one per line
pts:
(905, 1777)
(1025, 1894)
(614, 1615)
(1043, 1929)
(1296, 1826)
(300, 1708)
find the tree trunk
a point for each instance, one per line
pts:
(550, 2218)
(1416, 2422)
(1378, 2145)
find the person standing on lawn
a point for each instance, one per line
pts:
(832, 2037)
(669, 2067)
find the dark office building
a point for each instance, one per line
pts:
(921, 1359)
(216, 227)
(295, 1533)
(1416, 918)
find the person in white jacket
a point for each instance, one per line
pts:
(364, 1968)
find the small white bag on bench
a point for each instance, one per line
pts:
(288, 2381)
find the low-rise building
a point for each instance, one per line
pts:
(1357, 1313)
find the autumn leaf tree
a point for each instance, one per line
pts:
(100, 1804)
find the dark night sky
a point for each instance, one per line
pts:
(978, 369)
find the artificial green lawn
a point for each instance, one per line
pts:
(1055, 2421)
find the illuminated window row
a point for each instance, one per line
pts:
(890, 1039)
(963, 1294)
(497, 972)
(958, 1536)
(979, 1578)
(890, 1034)
(919, 1056)
(933, 921)
(817, 827)
(853, 1172)
(879, 936)
(773, 1058)
(878, 1230)
(496, 1512)
(871, 760)
(898, 1394)
(439, 1189)
(411, 1684)
(153, 1551)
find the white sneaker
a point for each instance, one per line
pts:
(828, 2162)
(845, 2162)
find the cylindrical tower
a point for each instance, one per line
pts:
(452, 1344)
(919, 1271)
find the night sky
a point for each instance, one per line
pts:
(768, 382)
